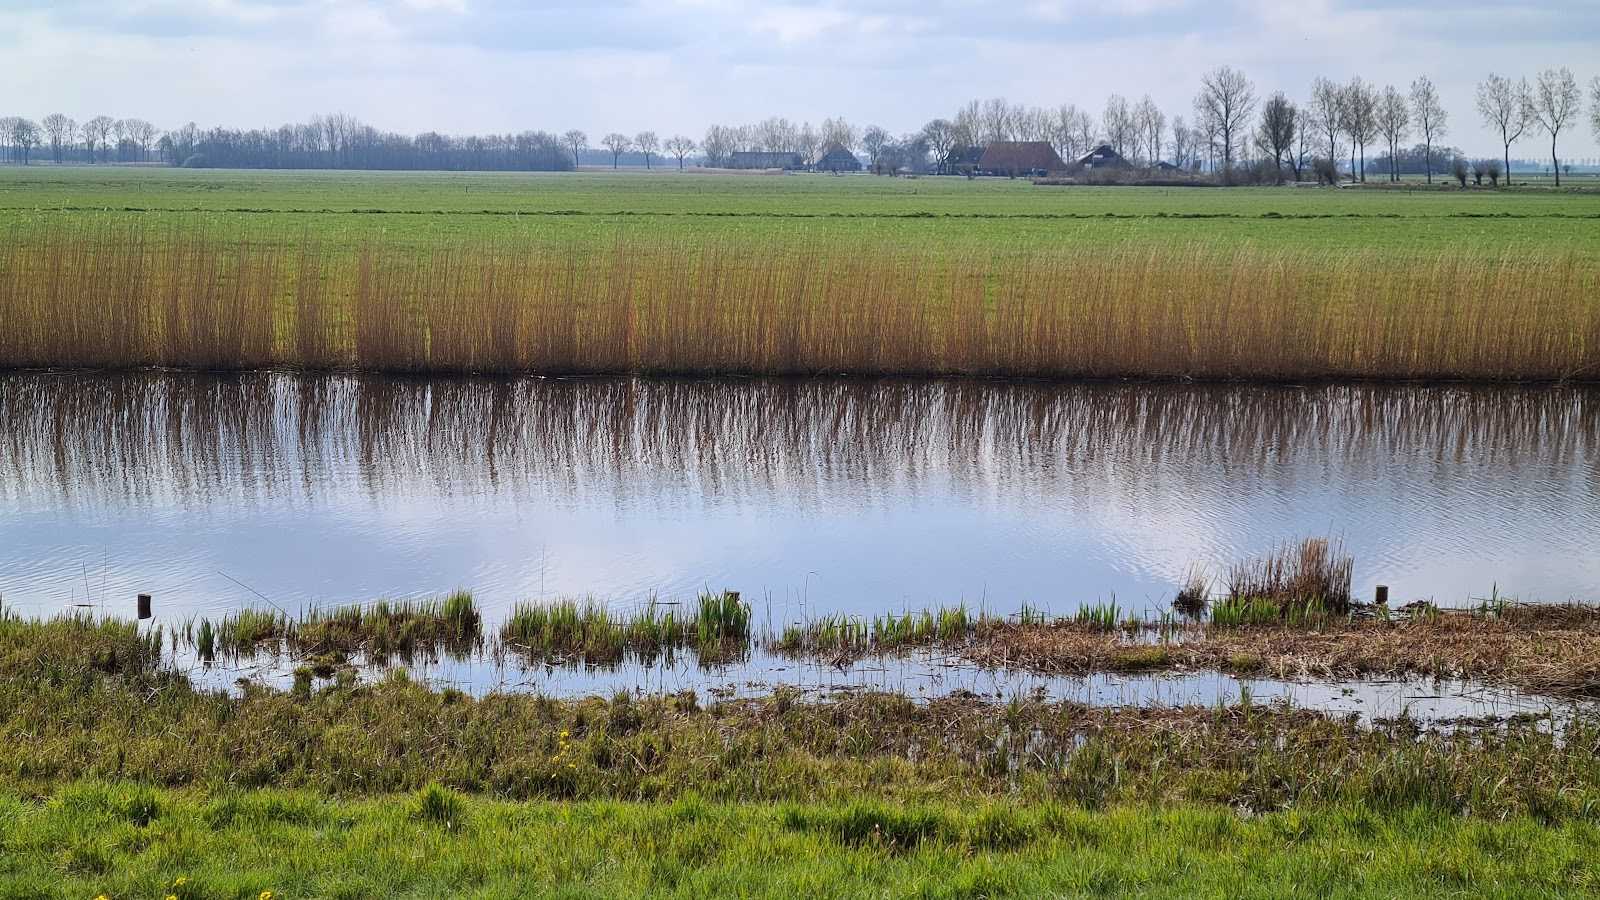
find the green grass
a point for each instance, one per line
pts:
(719, 624)
(126, 841)
(342, 210)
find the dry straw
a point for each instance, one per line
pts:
(102, 298)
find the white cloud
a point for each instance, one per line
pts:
(678, 65)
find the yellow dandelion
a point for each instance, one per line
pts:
(565, 734)
(102, 897)
(182, 880)
(172, 897)
(265, 895)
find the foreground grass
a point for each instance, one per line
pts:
(127, 841)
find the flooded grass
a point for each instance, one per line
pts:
(566, 629)
(379, 630)
(109, 299)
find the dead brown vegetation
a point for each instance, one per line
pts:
(119, 299)
(1553, 650)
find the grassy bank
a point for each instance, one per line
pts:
(116, 298)
(89, 700)
(121, 778)
(127, 841)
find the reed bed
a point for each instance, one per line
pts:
(849, 636)
(379, 630)
(719, 626)
(107, 298)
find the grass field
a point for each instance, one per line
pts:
(123, 840)
(344, 209)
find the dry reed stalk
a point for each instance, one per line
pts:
(114, 298)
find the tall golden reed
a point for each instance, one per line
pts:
(115, 299)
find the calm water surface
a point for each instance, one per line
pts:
(826, 496)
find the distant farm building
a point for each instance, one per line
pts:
(1020, 158)
(761, 159)
(1103, 157)
(963, 160)
(837, 159)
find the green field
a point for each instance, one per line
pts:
(994, 215)
(124, 841)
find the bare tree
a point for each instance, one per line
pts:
(1117, 121)
(1430, 117)
(61, 130)
(679, 146)
(1304, 130)
(24, 135)
(968, 125)
(873, 141)
(1394, 122)
(1507, 107)
(719, 144)
(1150, 122)
(1555, 105)
(941, 137)
(1360, 122)
(576, 141)
(142, 134)
(618, 144)
(1276, 135)
(648, 143)
(97, 131)
(1328, 113)
(1594, 111)
(1182, 143)
(837, 131)
(1226, 98)
(996, 120)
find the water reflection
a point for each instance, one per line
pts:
(820, 494)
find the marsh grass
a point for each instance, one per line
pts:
(843, 635)
(109, 298)
(719, 627)
(1298, 580)
(378, 630)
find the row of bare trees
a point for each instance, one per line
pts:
(1230, 124)
(1337, 117)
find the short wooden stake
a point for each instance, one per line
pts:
(1383, 595)
(144, 606)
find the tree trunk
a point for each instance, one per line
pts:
(1555, 164)
(1427, 159)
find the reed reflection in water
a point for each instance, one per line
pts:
(841, 495)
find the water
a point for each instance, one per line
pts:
(814, 496)
(925, 675)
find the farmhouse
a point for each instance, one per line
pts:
(760, 159)
(1013, 158)
(963, 160)
(836, 158)
(1102, 157)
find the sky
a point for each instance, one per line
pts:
(676, 66)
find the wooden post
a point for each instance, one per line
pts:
(1383, 595)
(144, 606)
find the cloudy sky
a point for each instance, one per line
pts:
(679, 65)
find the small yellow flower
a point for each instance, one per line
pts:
(565, 734)
(266, 895)
(172, 897)
(182, 880)
(102, 897)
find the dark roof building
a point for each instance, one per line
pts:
(837, 159)
(1103, 157)
(963, 160)
(1013, 158)
(761, 159)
